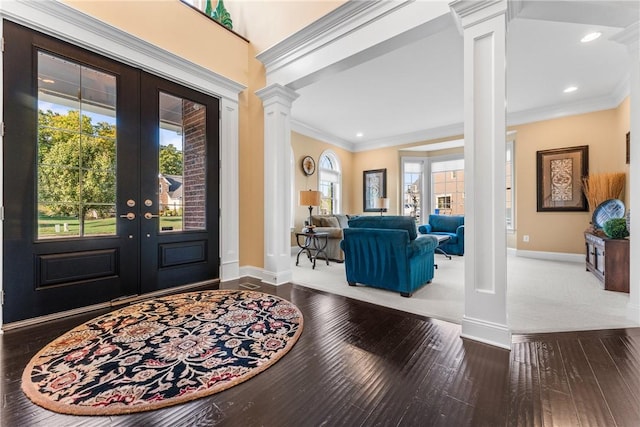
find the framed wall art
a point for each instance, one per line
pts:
(559, 179)
(374, 186)
(628, 147)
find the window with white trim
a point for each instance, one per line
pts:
(329, 182)
(443, 202)
(412, 185)
(447, 185)
(510, 181)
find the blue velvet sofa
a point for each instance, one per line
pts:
(451, 225)
(386, 252)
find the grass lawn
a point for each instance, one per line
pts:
(92, 227)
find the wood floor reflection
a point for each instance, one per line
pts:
(358, 364)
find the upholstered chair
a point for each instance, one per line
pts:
(386, 252)
(450, 225)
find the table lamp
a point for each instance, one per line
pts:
(310, 198)
(382, 203)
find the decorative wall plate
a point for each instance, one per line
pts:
(308, 165)
(609, 209)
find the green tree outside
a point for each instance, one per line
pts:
(76, 160)
(170, 160)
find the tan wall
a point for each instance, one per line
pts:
(305, 146)
(267, 22)
(251, 152)
(384, 158)
(603, 132)
(178, 28)
(623, 126)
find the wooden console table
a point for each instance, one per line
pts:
(608, 260)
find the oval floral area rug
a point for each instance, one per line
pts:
(162, 352)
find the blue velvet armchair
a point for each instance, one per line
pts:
(386, 252)
(450, 225)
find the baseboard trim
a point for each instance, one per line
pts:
(251, 271)
(230, 270)
(268, 277)
(277, 279)
(55, 316)
(549, 256)
(633, 312)
(486, 332)
(104, 305)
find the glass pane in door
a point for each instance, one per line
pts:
(76, 149)
(182, 164)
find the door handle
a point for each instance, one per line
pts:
(149, 215)
(130, 216)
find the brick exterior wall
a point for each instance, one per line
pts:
(195, 170)
(164, 193)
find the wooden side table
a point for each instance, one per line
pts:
(608, 260)
(313, 244)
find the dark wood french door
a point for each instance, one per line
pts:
(110, 179)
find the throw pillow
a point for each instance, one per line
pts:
(331, 221)
(343, 220)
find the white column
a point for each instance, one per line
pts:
(630, 37)
(277, 100)
(229, 191)
(1, 187)
(483, 25)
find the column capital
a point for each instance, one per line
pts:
(276, 93)
(630, 37)
(472, 12)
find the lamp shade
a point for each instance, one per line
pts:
(381, 203)
(310, 198)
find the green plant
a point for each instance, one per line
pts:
(616, 228)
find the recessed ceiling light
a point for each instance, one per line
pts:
(359, 134)
(591, 37)
(570, 89)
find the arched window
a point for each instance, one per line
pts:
(329, 182)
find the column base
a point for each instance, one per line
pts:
(486, 332)
(633, 312)
(277, 278)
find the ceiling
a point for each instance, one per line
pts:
(415, 92)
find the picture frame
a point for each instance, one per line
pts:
(308, 165)
(374, 186)
(628, 147)
(559, 174)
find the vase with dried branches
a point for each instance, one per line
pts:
(602, 186)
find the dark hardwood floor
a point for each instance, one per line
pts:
(358, 364)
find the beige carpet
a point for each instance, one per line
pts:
(542, 295)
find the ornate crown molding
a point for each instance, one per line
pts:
(629, 37)
(472, 12)
(276, 93)
(337, 24)
(513, 119)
